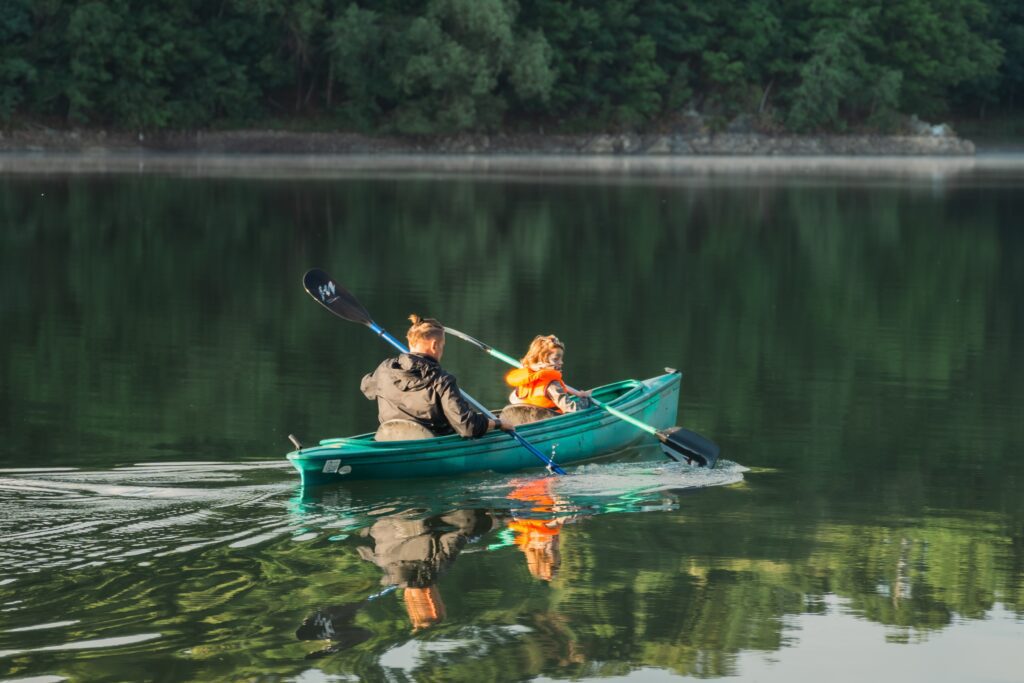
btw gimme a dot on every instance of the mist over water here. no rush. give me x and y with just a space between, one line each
851 337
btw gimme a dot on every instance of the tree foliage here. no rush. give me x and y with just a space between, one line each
423 66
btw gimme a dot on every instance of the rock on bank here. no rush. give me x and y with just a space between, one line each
285 142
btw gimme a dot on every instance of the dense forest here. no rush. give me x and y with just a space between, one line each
427 66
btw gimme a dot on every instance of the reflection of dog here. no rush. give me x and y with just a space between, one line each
334 624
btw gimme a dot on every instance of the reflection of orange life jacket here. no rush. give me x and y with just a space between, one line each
531 531
532 387
424 606
537 538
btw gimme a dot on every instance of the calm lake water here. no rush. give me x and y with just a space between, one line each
852 336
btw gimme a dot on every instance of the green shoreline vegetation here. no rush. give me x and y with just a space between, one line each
446 66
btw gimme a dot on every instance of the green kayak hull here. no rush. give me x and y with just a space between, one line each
567 439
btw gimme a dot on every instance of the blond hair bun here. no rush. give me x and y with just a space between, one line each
424 328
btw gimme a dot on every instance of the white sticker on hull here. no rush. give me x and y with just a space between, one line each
331 466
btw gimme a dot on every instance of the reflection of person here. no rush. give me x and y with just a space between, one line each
538 536
414 388
539 382
414 552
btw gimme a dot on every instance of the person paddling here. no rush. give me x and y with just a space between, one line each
539 382
416 398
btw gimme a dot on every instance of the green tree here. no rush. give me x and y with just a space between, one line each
606 67
1006 28
938 45
355 48
452 60
16 72
869 59
838 83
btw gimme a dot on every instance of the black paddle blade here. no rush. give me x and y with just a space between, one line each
678 443
334 297
326 621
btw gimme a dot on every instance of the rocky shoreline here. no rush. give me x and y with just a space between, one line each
941 142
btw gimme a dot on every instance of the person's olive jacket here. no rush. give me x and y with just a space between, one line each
414 387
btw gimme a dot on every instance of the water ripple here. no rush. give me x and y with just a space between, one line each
74 519
78 519
98 643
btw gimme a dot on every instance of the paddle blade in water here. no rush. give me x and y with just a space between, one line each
334 297
682 443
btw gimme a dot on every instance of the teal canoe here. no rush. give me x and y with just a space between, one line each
569 438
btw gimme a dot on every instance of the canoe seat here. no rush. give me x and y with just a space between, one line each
522 413
402 430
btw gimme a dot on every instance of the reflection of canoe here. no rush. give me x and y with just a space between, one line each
567 438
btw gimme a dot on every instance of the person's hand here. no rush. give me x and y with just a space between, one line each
504 426
585 394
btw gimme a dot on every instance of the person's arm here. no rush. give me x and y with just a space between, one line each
369 386
578 392
460 415
565 401
498 424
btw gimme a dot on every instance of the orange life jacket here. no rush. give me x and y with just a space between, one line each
532 386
